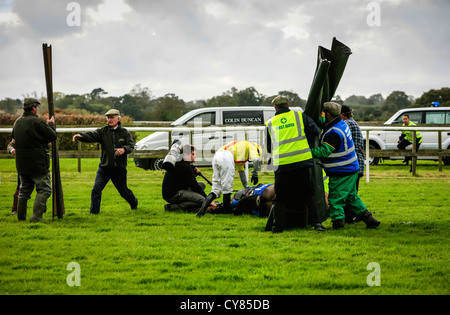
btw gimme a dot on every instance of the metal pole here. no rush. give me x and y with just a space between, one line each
414 151
440 148
79 157
367 156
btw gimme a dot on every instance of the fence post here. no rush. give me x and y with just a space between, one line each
79 157
414 154
440 148
367 156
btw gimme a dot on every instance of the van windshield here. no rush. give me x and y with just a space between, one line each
203 119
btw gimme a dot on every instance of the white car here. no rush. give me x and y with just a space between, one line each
207 142
388 140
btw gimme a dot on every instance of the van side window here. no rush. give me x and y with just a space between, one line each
252 117
435 117
203 119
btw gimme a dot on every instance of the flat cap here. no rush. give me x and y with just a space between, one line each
112 112
30 101
280 100
333 108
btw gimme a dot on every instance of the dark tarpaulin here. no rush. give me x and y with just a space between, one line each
330 68
57 192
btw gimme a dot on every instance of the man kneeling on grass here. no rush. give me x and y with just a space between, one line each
180 187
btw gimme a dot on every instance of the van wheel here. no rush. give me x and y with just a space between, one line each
373 160
156 164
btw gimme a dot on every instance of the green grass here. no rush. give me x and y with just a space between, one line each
150 251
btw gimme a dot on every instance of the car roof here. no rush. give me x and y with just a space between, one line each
409 109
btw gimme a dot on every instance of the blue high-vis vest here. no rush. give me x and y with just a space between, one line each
344 158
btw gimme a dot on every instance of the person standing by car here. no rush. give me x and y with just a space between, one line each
32 136
406 138
116 143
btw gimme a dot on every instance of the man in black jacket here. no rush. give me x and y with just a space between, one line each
180 187
116 143
32 136
294 189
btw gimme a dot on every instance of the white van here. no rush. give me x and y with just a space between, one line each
423 116
207 142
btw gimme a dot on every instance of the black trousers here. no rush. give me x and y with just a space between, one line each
404 143
119 178
294 191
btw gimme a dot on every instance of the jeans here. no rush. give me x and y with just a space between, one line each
119 178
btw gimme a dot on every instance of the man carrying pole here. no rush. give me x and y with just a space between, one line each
32 135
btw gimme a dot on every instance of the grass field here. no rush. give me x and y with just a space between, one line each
150 251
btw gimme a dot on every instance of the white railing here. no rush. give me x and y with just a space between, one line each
260 130
367 129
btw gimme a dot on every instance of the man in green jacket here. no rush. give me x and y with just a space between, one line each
32 136
116 142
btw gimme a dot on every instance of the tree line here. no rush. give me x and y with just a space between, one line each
141 104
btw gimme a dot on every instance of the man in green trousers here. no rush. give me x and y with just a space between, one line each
338 156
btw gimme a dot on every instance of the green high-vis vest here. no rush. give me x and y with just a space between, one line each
289 143
408 134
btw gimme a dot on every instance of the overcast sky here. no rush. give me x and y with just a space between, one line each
198 49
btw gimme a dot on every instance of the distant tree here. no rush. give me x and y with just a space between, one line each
338 99
143 99
376 99
221 101
294 99
397 100
97 93
10 106
167 108
356 100
248 97
128 105
442 96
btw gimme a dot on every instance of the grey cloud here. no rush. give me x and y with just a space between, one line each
201 48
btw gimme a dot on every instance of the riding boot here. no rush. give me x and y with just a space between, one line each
21 209
206 204
16 199
227 203
279 218
269 223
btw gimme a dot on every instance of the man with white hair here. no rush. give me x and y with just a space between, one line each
116 143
